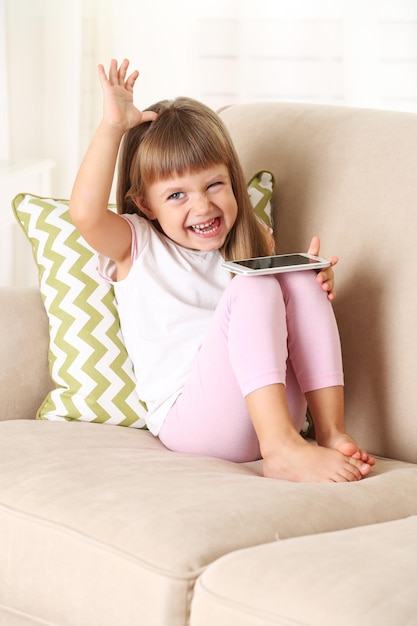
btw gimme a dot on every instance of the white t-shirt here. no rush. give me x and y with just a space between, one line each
165 306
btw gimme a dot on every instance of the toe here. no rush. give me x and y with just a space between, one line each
348 448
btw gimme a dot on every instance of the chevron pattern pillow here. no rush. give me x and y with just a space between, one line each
260 190
88 361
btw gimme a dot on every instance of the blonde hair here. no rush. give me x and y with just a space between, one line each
187 137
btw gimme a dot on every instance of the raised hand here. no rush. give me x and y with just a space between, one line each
119 109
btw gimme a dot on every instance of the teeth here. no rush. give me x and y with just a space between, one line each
198 228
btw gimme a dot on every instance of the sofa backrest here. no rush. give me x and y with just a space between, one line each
24 342
350 176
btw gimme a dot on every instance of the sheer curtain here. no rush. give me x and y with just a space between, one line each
4 105
51 52
354 52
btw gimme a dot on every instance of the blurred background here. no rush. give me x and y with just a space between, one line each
340 52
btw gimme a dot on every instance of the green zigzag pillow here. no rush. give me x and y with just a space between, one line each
260 190
88 361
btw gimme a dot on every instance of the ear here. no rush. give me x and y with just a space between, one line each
143 206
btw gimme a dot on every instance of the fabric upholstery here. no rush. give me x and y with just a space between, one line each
101 525
24 337
364 575
96 523
348 175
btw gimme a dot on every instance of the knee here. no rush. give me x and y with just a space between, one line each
256 286
262 293
303 283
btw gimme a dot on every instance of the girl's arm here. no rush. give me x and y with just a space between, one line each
103 229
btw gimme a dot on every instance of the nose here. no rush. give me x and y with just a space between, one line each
202 205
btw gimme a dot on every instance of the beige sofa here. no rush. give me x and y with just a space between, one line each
101 526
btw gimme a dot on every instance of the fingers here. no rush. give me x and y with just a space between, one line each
121 74
119 108
117 75
315 249
326 280
102 75
326 276
314 246
130 83
328 287
149 116
113 74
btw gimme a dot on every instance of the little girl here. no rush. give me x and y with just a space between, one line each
225 365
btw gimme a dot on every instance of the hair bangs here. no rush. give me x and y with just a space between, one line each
180 142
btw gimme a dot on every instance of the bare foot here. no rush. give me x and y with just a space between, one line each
301 461
349 447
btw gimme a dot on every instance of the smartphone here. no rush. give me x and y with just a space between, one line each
275 264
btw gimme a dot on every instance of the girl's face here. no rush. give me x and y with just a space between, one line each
196 210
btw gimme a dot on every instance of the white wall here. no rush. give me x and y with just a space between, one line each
347 52
4 104
355 52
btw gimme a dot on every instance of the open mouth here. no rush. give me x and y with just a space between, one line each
207 228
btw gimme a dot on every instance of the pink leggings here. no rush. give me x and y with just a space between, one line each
265 330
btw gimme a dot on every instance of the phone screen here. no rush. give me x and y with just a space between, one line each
274 262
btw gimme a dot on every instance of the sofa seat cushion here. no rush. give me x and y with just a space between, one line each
364 575
102 525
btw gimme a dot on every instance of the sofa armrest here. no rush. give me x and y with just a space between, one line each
24 339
